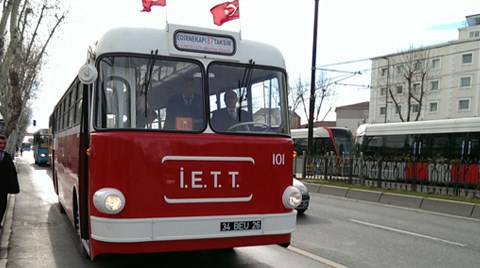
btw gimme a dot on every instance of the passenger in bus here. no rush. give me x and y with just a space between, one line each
185 110
223 119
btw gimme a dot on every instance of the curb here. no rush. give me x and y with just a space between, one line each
6 231
456 208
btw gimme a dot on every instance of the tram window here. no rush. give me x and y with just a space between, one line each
459 145
394 144
422 145
300 145
321 146
324 146
441 145
473 148
373 146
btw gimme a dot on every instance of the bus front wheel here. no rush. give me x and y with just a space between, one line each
81 247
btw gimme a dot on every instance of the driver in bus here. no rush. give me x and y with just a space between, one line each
185 110
223 119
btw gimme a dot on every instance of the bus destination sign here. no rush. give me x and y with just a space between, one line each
199 42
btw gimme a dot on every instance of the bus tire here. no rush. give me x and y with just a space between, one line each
61 208
284 245
81 248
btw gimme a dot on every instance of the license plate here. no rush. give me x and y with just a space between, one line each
240 225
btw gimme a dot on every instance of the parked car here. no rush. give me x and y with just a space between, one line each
305 196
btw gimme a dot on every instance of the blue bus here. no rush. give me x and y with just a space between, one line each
42 140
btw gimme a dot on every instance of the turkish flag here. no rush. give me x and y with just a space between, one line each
147 4
225 12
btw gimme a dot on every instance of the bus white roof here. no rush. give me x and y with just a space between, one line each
146 40
471 124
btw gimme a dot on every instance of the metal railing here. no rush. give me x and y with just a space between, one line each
433 176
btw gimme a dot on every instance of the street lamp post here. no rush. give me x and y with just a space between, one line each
387 90
312 81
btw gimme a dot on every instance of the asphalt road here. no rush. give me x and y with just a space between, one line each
43 237
335 231
368 234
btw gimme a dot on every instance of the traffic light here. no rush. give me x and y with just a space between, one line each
34 123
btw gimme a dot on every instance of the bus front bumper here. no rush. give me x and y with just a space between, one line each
188 228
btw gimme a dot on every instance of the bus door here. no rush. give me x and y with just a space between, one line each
83 100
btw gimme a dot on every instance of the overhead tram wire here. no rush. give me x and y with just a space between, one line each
353 85
342 63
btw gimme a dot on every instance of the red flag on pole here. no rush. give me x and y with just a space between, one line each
225 12
147 4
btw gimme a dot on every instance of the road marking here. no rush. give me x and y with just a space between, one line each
315 257
408 233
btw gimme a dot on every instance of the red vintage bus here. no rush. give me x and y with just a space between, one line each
137 171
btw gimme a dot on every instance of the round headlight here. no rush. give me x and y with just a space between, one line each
109 200
291 197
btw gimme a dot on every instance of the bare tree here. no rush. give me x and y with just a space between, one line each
411 69
26 28
300 93
297 95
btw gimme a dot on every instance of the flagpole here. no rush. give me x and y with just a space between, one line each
312 81
166 19
240 28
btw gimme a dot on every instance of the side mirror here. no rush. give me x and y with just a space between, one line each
87 73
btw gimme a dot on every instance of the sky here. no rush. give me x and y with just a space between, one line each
348 31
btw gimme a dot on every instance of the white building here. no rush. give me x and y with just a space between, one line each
451 82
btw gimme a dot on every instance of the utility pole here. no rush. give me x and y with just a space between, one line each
312 81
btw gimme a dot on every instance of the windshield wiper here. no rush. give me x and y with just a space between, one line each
247 75
148 77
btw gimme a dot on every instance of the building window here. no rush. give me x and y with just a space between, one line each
433 107
383 91
399 69
463 105
467 58
436 64
416 87
434 85
465 81
417 66
414 108
474 34
382 110
399 89
384 72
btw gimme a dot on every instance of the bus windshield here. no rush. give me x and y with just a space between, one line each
343 140
169 94
255 96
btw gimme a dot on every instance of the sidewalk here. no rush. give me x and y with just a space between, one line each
457 208
6 231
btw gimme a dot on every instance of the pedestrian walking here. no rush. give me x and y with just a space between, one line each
8 177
